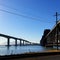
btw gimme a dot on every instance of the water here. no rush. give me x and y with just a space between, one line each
4 50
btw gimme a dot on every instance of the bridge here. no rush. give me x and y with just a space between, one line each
52 38
22 41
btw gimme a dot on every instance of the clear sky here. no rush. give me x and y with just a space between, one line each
26 27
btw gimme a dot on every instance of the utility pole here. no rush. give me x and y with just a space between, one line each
57 28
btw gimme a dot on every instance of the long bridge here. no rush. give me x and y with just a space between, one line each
22 41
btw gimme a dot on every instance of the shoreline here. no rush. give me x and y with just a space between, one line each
34 54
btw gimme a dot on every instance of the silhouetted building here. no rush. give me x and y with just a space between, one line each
43 40
50 37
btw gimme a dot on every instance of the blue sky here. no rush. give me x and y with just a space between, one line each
27 28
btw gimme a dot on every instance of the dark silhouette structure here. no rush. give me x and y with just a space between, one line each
43 41
51 37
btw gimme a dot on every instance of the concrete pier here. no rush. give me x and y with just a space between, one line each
15 42
23 42
20 43
8 41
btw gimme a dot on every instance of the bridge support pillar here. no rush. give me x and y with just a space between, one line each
20 42
15 42
23 42
30 43
8 42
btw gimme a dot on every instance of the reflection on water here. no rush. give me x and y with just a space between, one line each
4 50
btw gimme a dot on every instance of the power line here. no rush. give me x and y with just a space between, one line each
9 7
16 10
20 14
33 18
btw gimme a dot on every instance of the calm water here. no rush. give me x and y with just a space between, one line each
4 50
